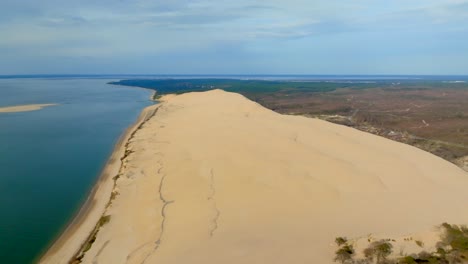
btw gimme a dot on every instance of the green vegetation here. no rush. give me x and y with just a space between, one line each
341 241
155 96
452 248
240 86
178 86
455 236
345 252
89 244
91 239
104 220
378 250
419 243
422 257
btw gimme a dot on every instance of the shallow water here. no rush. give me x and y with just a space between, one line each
50 159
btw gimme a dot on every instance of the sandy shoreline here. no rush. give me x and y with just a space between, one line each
215 178
24 108
77 232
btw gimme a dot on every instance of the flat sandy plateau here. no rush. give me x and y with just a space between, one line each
215 178
23 108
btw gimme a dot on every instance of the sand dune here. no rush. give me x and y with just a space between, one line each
216 178
23 108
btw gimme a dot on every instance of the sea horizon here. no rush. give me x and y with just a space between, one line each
436 77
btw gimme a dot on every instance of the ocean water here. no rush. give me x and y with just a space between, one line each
50 159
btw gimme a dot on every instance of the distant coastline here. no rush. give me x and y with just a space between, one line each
319 77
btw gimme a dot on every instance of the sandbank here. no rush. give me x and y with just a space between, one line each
23 108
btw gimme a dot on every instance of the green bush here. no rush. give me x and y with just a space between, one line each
344 254
380 250
341 241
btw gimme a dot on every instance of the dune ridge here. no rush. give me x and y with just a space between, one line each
215 178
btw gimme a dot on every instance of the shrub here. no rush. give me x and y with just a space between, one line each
344 254
104 220
341 241
455 236
380 250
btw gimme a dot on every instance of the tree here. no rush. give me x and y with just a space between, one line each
380 250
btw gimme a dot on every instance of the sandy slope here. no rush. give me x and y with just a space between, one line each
23 108
216 178
79 230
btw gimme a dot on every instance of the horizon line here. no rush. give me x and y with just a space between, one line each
215 74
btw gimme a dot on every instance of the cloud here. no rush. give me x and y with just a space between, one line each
296 29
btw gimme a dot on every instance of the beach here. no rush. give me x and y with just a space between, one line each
213 177
83 225
24 108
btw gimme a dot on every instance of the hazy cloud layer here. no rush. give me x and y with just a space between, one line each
179 36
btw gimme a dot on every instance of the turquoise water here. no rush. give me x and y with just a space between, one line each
50 159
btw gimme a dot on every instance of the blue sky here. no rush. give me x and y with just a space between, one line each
234 37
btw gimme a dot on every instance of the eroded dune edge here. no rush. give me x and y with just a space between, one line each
215 178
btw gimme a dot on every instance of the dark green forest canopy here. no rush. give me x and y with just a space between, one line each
177 86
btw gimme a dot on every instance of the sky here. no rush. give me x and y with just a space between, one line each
234 37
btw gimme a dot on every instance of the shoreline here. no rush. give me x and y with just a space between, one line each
97 200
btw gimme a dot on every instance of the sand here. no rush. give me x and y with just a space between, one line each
78 231
215 178
23 108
